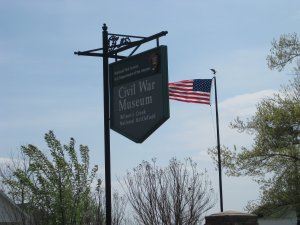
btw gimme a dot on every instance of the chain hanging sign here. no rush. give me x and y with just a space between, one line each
139 101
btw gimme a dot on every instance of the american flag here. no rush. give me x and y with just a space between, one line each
192 91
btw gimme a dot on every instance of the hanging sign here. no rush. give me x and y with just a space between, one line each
139 100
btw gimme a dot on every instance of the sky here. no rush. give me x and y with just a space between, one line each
44 86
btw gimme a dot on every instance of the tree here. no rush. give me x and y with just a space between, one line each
285 51
177 194
119 216
57 188
274 159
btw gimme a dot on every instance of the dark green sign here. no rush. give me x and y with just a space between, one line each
139 101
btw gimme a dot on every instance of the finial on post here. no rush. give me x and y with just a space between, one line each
104 27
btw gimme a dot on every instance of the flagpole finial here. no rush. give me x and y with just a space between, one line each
214 71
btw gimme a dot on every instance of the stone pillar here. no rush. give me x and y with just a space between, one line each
231 218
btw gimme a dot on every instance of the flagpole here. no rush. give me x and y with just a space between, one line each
218 142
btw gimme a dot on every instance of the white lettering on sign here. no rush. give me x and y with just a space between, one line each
141 87
127 91
146 86
124 104
145 118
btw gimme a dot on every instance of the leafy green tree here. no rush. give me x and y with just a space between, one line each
56 188
274 158
285 51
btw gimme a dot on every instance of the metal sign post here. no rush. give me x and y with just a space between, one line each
113 44
106 126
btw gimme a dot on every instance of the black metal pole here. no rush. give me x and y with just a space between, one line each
106 124
106 54
218 146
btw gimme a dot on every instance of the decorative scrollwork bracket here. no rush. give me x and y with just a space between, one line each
116 42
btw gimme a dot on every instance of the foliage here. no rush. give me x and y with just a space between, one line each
55 189
285 51
177 194
274 159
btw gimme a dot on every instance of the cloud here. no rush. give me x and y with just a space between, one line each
4 160
202 156
244 105
197 125
10 163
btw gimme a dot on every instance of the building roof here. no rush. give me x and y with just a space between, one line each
9 211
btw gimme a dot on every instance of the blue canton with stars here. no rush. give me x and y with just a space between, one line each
203 85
